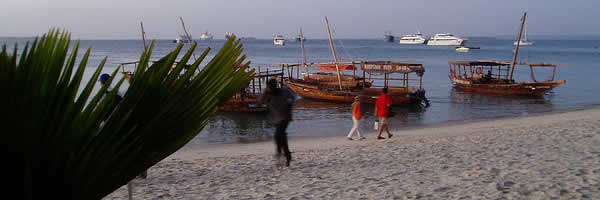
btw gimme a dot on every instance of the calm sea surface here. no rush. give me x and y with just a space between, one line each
580 59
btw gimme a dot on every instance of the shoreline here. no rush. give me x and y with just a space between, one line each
307 142
396 129
549 155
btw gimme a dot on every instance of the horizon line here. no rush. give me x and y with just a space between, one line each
544 36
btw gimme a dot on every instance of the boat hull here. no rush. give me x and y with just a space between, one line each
462 50
388 38
367 95
522 89
457 42
523 43
279 42
410 41
247 104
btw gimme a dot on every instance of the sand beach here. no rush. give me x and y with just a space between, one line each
550 156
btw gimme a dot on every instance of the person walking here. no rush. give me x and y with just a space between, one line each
356 116
382 108
103 78
279 105
117 99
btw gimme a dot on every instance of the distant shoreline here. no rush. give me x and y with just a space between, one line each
475 37
15 38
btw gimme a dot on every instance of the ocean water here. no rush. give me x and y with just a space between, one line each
579 65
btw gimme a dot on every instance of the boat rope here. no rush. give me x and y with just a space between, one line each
344 48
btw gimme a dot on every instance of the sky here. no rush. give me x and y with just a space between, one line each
120 19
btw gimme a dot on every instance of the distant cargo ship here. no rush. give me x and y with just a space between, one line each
388 37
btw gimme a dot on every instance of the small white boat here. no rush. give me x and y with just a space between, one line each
182 39
228 35
388 37
278 40
446 39
206 36
524 41
462 49
413 39
300 38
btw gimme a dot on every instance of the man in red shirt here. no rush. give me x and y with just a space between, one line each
382 107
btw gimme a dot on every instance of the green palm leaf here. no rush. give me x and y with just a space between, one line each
57 138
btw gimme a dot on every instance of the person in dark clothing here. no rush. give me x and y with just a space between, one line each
117 99
488 77
279 105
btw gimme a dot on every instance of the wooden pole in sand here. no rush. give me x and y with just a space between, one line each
512 65
337 67
130 190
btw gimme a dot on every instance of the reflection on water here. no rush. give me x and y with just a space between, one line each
473 106
311 118
321 118
314 118
235 128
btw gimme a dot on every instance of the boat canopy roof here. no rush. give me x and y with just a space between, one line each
369 66
391 67
332 67
498 63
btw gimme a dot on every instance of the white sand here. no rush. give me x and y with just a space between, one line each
554 156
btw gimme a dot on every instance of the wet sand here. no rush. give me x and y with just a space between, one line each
552 156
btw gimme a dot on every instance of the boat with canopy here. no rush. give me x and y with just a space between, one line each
499 75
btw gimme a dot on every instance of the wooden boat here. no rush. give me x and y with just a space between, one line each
324 78
246 100
468 76
400 94
338 87
243 102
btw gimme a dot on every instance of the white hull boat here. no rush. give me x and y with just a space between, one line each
524 41
413 39
445 39
278 40
206 36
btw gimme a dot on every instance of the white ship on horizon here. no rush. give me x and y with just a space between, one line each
206 36
524 41
228 35
413 39
446 39
278 40
182 39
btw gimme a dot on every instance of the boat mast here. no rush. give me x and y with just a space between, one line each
185 30
189 37
337 68
303 50
514 61
525 30
143 34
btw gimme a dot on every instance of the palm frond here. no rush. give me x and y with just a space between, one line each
59 141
